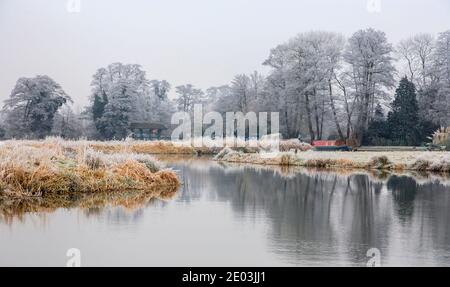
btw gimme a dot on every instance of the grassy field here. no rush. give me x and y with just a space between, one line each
54 167
397 160
165 147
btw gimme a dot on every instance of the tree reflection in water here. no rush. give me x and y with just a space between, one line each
308 217
343 213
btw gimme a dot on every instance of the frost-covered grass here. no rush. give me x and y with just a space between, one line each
54 167
398 160
193 146
209 146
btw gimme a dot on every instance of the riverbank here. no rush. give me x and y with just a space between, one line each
165 147
410 160
54 167
291 171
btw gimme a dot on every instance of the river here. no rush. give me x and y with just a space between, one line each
242 215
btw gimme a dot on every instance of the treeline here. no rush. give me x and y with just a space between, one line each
121 94
323 85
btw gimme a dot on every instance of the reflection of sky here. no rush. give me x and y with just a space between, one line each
234 215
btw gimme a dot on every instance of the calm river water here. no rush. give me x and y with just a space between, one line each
246 215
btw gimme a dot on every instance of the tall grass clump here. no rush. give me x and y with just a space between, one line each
223 153
380 162
421 164
55 167
441 136
440 164
287 159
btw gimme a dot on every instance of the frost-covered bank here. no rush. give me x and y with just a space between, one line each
410 160
187 147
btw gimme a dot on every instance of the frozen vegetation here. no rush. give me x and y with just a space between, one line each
322 84
54 167
395 160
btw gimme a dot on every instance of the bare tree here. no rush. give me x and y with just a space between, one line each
370 61
416 51
188 95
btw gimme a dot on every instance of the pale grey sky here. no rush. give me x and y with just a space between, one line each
203 42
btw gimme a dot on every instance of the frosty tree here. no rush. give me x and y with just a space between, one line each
370 61
122 94
187 97
32 105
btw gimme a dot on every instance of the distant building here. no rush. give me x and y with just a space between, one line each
147 131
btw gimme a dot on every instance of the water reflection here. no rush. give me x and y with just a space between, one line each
92 204
253 215
323 218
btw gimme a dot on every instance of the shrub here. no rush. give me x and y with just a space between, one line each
421 164
380 162
286 159
223 153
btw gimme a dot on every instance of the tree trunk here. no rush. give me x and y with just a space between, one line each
288 130
333 109
308 114
316 114
363 115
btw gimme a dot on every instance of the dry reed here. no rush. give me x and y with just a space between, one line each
55 167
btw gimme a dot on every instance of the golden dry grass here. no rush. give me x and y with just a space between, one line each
54 167
125 146
166 147
207 146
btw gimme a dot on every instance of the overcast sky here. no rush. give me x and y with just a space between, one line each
203 42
